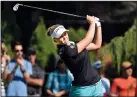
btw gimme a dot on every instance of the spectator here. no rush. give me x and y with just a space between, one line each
105 81
19 71
59 81
126 84
38 74
4 66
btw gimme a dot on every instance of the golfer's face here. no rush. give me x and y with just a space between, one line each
64 38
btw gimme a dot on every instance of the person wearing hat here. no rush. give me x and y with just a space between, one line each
75 55
37 77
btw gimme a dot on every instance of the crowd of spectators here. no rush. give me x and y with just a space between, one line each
24 77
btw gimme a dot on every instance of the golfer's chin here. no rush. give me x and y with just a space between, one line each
65 43
62 43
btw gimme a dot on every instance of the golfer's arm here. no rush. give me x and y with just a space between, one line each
98 40
88 38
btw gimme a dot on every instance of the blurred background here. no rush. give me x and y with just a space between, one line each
30 25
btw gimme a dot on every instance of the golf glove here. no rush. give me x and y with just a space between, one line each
97 23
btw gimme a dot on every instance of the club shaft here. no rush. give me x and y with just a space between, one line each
57 12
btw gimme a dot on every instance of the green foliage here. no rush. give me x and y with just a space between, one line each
73 35
130 42
9 32
77 35
117 46
106 50
122 48
42 43
81 32
9 29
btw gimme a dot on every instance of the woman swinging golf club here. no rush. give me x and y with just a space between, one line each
75 55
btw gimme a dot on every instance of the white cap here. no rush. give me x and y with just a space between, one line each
58 31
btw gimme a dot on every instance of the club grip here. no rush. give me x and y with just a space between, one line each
99 20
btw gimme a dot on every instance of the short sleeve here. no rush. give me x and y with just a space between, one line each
49 81
70 79
71 50
10 67
28 67
41 74
114 87
71 75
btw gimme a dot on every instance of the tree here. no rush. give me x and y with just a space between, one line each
42 43
122 48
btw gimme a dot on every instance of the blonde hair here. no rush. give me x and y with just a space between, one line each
3 47
51 29
126 63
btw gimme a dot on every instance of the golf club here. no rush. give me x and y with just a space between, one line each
16 7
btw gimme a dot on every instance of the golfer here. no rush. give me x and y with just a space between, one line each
75 55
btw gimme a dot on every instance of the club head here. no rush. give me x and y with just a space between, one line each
15 8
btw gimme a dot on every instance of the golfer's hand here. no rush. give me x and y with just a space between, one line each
97 23
90 19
